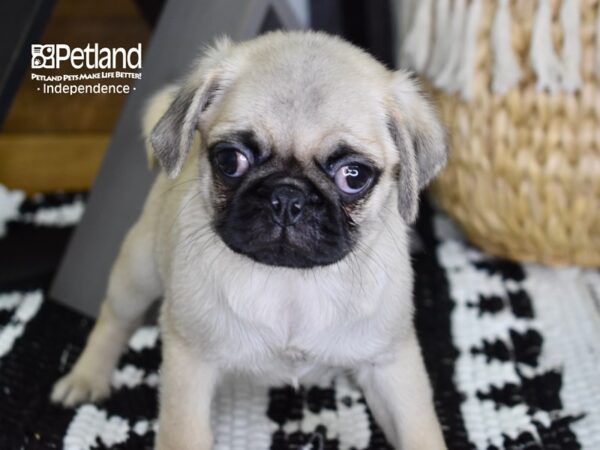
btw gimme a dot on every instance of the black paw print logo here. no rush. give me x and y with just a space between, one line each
38 62
42 56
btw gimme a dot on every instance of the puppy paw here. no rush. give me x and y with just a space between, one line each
76 388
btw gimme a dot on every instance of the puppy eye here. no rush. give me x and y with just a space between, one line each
232 162
353 178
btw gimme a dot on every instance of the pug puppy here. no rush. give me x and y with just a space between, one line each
277 233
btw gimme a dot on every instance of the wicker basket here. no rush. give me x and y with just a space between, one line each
523 112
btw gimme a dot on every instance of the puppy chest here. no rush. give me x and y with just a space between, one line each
295 355
297 338
272 323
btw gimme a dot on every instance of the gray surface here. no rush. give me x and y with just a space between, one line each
123 182
21 24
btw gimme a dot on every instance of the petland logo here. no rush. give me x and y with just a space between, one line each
51 56
114 67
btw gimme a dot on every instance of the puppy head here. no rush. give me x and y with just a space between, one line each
305 143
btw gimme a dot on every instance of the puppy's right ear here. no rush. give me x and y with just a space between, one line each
420 139
181 110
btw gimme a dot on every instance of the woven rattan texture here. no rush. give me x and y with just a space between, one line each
524 174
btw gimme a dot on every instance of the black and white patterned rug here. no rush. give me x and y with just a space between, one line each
513 352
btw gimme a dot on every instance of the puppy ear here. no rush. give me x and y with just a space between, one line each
182 109
420 139
156 107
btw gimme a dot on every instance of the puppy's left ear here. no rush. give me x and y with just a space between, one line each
183 107
420 139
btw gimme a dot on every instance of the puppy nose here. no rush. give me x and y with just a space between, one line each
287 203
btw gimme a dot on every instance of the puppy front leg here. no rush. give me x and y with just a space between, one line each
132 287
400 397
187 384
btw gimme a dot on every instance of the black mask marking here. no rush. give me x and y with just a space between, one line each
279 216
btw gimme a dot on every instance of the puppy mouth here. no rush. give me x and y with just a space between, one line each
282 257
278 251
